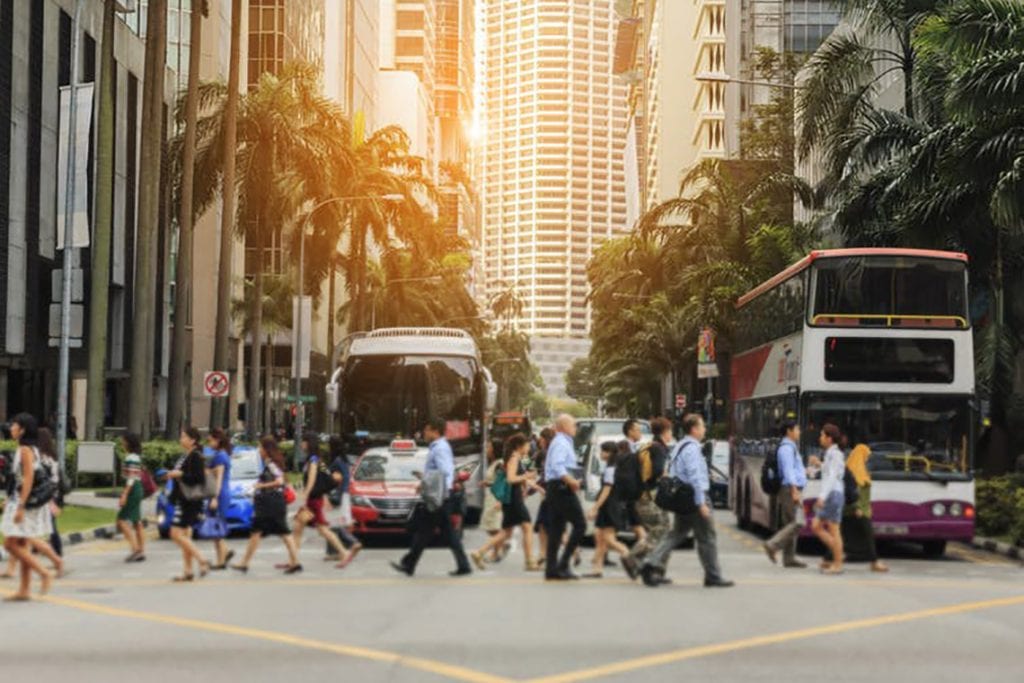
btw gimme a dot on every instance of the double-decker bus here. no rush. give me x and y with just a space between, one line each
877 341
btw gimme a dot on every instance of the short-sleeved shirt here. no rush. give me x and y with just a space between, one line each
222 458
608 477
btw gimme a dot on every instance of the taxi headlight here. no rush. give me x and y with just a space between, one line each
938 509
361 501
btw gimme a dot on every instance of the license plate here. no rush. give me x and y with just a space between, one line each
893 529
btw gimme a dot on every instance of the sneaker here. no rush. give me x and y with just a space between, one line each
770 552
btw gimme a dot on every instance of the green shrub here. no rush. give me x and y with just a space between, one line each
155 455
1017 527
994 501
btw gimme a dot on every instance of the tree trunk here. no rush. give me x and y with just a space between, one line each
177 381
151 146
221 346
268 384
99 277
908 76
331 304
255 340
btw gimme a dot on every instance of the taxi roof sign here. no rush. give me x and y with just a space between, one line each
403 445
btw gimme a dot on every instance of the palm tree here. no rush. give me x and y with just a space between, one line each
275 307
179 380
290 148
150 163
99 286
227 150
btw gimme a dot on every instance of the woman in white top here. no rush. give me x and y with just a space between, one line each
20 523
830 501
607 512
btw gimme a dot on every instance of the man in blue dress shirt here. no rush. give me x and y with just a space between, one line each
562 502
439 459
688 465
793 479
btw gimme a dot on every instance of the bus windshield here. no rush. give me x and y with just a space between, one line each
389 396
874 289
910 437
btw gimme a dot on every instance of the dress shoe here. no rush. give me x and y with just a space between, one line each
652 576
794 564
399 567
718 583
465 571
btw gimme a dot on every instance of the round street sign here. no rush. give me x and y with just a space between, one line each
216 384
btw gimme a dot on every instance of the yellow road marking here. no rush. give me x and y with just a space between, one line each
631 665
421 664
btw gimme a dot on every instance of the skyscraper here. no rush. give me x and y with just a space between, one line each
552 179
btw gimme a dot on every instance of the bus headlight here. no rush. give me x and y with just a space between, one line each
938 509
956 509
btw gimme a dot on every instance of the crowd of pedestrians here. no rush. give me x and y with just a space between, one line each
658 490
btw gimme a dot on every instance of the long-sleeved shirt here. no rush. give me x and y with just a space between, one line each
441 458
791 465
832 470
561 456
688 465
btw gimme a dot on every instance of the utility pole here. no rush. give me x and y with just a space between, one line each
64 362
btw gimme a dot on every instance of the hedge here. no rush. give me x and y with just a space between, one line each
155 454
1000 505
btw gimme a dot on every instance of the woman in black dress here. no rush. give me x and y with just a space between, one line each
270 511
608 511
513 508
189 474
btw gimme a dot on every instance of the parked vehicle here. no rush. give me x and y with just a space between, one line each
246 466
717 454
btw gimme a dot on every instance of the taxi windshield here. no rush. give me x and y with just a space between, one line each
385 469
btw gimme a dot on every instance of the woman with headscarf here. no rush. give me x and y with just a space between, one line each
856 525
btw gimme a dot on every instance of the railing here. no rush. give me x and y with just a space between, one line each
889 320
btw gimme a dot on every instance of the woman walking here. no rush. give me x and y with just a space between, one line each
318 483
189 477
270 511
858 532
608 511
540 527
513 511
219 467
129 516
491 519
829 506
25 518
51 548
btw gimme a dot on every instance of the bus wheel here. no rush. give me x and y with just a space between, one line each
934 548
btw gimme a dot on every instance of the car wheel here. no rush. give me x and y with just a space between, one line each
934 548
164 533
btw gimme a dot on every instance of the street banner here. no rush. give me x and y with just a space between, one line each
707 361
301 350
80 209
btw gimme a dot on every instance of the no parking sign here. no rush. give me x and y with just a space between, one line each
216 384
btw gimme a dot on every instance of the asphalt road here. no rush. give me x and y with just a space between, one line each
960 618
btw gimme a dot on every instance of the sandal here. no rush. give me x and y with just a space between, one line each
184 578
204 569
293 569
879 568
346 562
240 568
17 598
593 575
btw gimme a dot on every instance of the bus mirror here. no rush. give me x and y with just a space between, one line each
331 397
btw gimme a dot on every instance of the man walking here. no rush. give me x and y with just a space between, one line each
653 518
563 505
792 479
439 459
688 466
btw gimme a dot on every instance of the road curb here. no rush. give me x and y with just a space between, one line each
100 533
998 547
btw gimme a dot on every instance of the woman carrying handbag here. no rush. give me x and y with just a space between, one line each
270 509
189 477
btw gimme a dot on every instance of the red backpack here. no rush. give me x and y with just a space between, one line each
148 483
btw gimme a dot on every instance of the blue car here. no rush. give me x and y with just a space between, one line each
246 467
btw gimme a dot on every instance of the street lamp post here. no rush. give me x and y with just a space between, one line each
300 407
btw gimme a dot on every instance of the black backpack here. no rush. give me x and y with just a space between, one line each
324 482
851 492
628 486
771 478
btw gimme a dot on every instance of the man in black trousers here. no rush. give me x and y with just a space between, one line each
563 503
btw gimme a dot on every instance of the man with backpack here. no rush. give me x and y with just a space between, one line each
785 479
689 467
435 511
650 467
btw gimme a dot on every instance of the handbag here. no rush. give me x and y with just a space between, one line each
675 495
289 495
213 526
44 488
